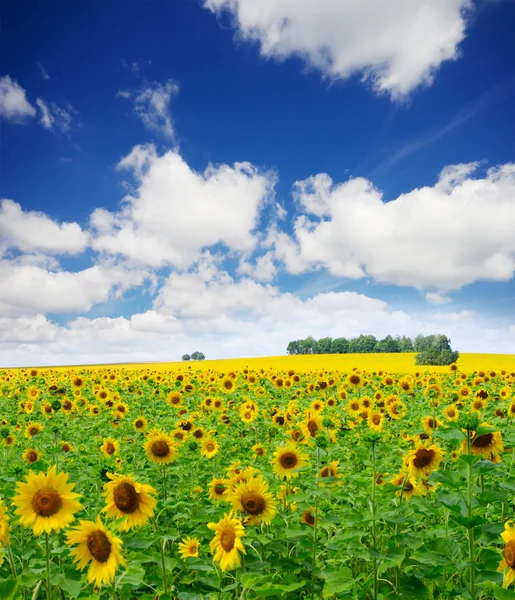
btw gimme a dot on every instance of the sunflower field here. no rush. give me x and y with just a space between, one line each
187 482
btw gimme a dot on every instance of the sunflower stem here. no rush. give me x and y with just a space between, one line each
472 576
315 529
47 552
373 511
162 544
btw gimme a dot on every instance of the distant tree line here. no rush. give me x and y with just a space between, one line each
194 356
431 349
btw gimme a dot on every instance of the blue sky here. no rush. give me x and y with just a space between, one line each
194 175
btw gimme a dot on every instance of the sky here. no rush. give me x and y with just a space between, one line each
226 176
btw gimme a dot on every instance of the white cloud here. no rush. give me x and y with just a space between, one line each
396 44
437 298
152 105
31 231
14 106
32 289
176 212
225 318
446 236
55 117
264 268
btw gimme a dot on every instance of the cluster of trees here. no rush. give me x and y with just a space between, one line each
431 349
194 356
360 345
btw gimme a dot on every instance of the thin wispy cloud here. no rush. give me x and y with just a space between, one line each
493 96
43 72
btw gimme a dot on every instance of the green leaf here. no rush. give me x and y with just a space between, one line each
8 588
278 589
450 478
449 434
337 582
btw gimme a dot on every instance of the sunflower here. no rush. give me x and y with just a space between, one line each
354 379
227 544
410 486
209 448
247 415
375 420
477 405
287 461
4 525
396 410
489 445
174 399
424 459
33 429
125 497
311 425
354 406
331 470
46 502
228 385
451 412
259 450
254 500
179 435
198 433
31 455
99 547
308 517
429 423
109 447
218 489
140 424
78 382
188 547
66 447
160 449
507 564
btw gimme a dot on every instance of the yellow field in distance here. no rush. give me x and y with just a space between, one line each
394 363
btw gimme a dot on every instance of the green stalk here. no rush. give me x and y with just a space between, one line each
472 576
162 544
47 552
373 510
315 529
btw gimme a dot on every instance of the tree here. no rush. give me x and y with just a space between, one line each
388 344
293 347
197 356
308 346
324 345
340 346
186 357
434 357
405 344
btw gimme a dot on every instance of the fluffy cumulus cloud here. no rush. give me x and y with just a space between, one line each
152 104
32 289
31 231
397 45
14 106
444 237
174 212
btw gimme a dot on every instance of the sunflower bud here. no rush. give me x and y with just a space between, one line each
327 422
468 422
322 441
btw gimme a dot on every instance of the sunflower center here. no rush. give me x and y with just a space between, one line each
288 460
423 458
376 419
220 489
110 448
312 428
210 446
310 518
354 379
408 486
126 498
99 546
227 539
483 441
160 448
46 502
32 456
253 503
509 554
